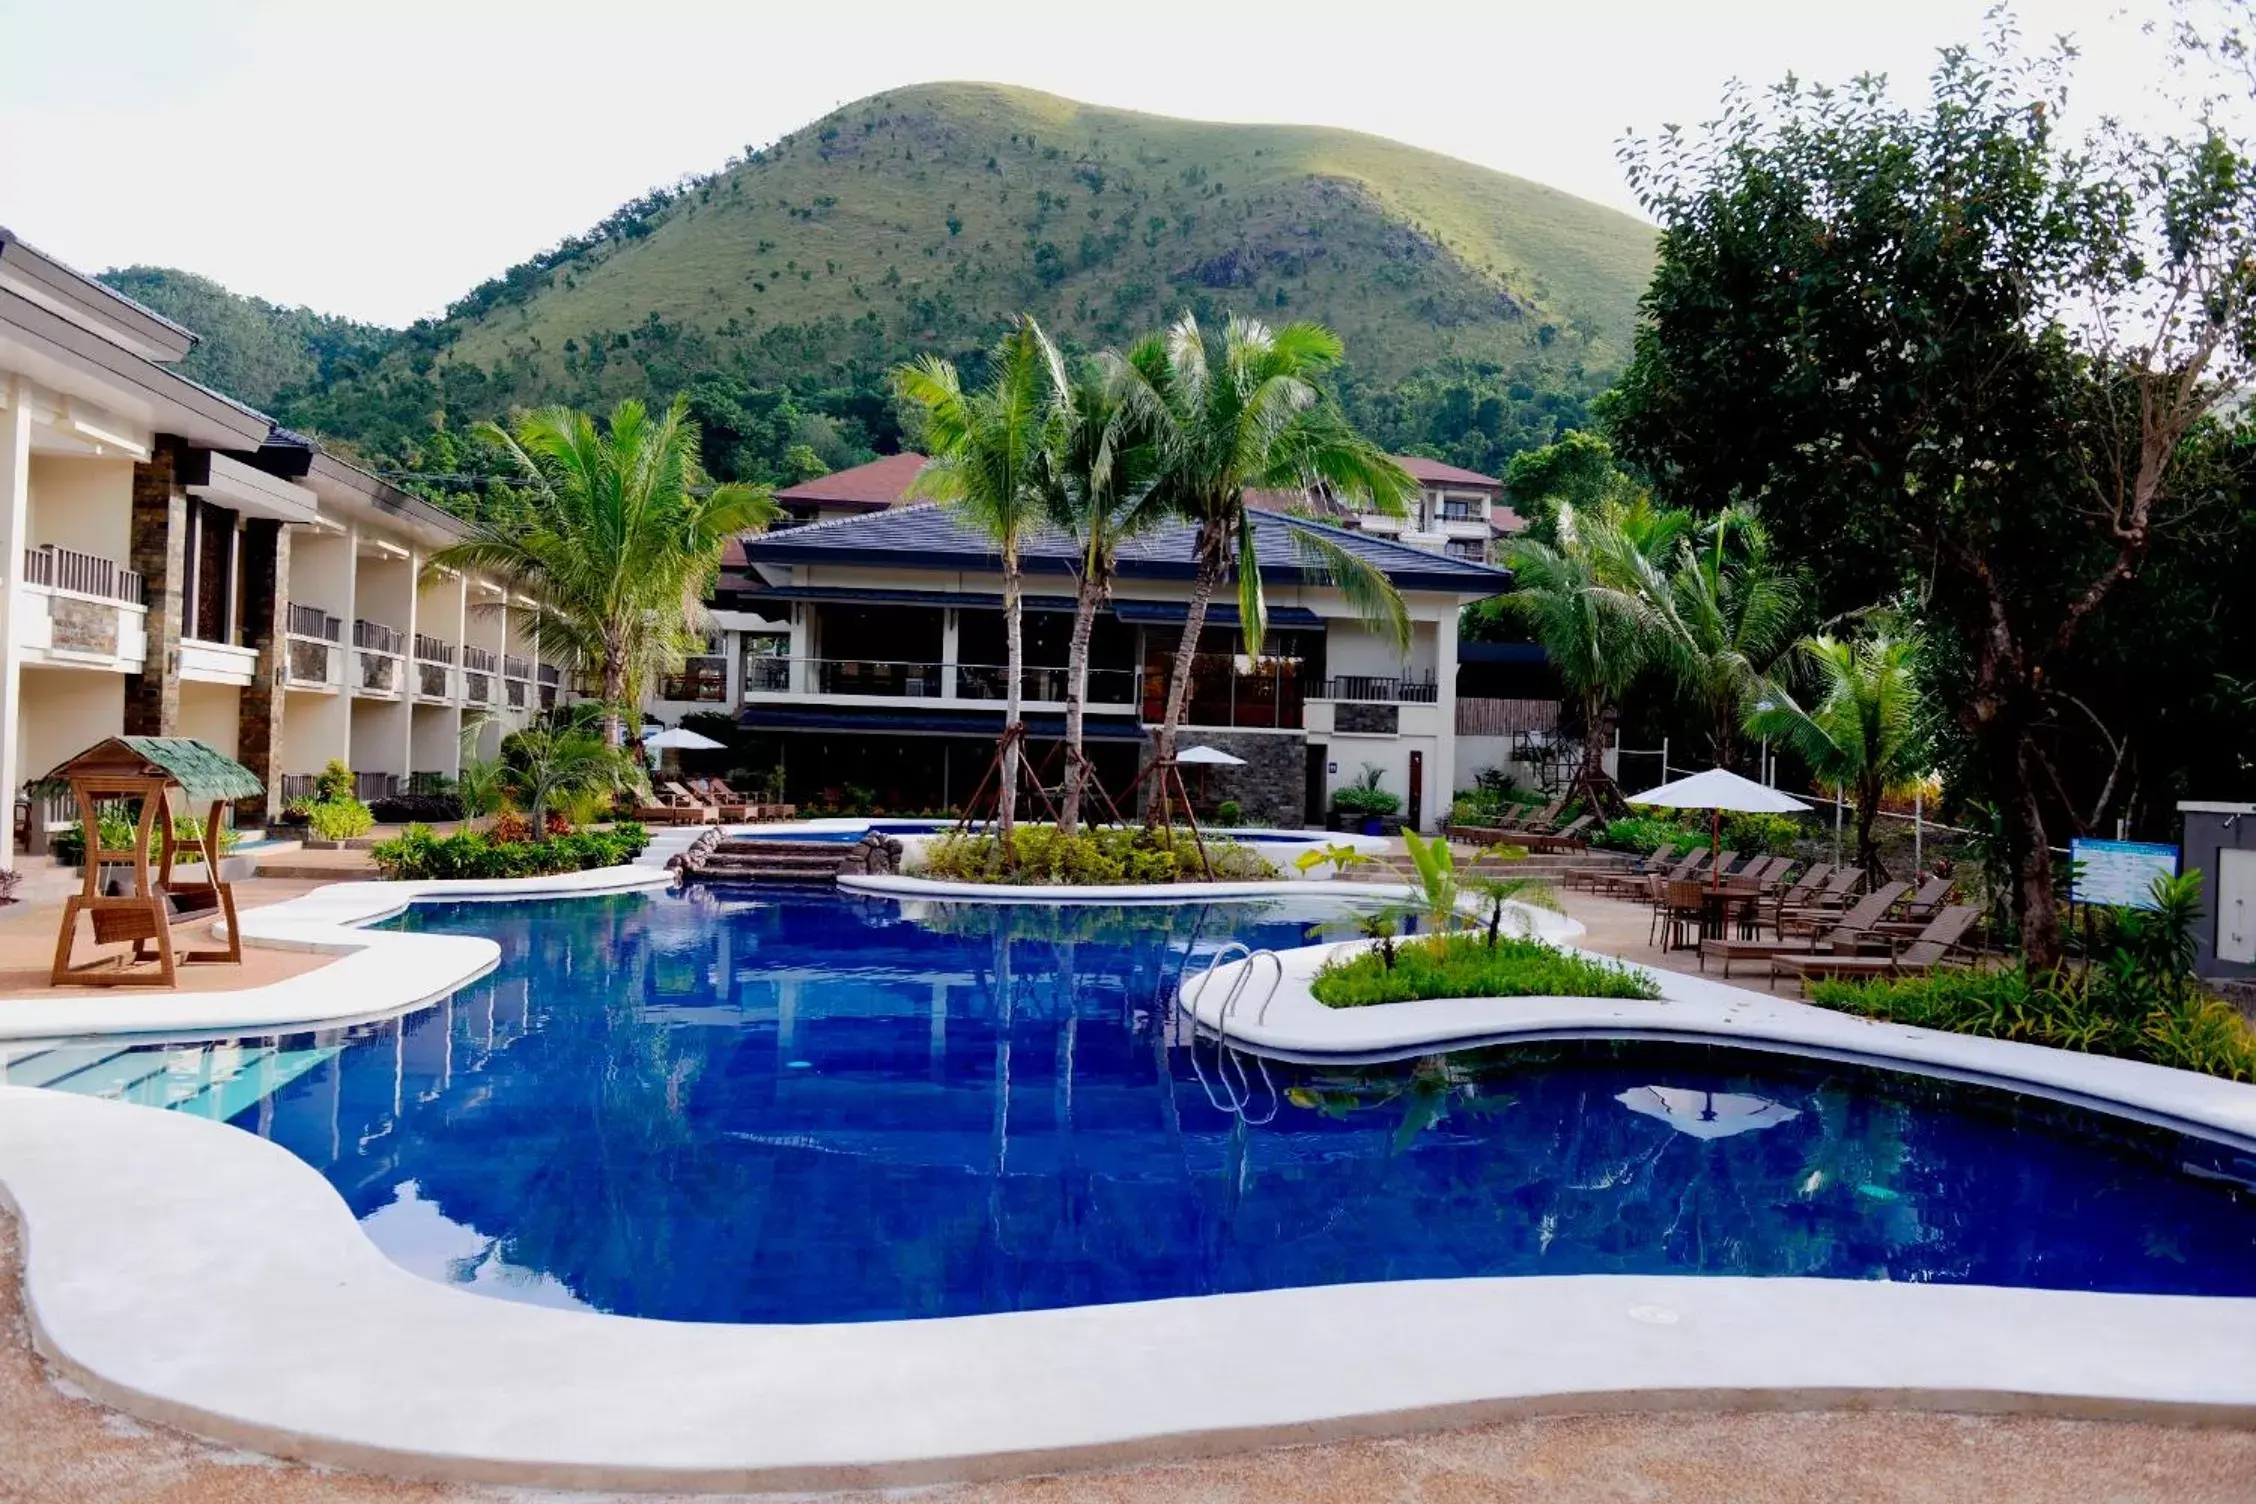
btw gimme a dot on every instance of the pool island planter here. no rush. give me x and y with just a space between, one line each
1291 1024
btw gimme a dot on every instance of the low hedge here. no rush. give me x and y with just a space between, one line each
1092 858
407 809
1407 971
417 853
2109 1010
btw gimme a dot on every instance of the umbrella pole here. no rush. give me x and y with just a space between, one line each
1715 849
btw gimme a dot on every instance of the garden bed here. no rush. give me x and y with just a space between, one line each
1468 965
1105 856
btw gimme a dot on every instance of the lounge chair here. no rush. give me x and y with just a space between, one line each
1635 877
1567 838
1543 819
725 802
1819 909
1931 899
674 805
1849 930
1933 945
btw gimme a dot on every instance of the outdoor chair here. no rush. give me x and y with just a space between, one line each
1682 903
1542 819
1850 930
1931 899
1928 950
717 794
1819 909
1567 838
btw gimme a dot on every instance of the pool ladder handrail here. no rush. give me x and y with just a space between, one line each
1237 1097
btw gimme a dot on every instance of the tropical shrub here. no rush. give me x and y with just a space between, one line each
334 782
1365 796
1090 857
68 846
510 828
1645 834
1763 835
1469 965
339 819
2136 998
417 853
1229 813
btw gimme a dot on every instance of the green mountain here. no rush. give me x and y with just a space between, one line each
920 219
248 347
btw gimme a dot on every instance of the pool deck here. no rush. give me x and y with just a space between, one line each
176 1268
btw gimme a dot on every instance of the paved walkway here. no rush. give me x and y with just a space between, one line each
27 947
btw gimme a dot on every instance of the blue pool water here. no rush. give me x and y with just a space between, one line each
805 1107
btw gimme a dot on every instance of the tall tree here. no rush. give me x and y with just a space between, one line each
1867 730
1947 352
1096 489
1241 413
1732 609
617 537
1588 598
988 449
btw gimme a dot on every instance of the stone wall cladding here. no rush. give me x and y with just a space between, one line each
1272 786
309 661
1370 720
83 626
265 584
160 541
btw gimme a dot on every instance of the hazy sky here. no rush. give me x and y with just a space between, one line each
378 159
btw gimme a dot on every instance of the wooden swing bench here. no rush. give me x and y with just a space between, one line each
148 768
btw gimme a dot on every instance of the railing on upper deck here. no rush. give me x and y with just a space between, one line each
60 568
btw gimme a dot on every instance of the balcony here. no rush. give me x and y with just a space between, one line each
381 651
478 659
68 570
313 623
550 675
1382 689
477 688
514 667
433 650
905 679
702 681
513 693
312 653
82 611
1461 511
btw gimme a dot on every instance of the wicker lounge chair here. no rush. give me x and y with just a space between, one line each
1567 838
1849 930
717 794
1934 944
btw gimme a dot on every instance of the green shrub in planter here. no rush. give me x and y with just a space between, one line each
1229 812
416 853
339 819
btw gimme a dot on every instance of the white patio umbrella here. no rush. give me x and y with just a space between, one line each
1706 1114
677 739
1203 758
1717 790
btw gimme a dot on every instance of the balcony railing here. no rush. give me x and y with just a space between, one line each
82 574
1383 688
1460 511
296 786
433 649
702 681
514 667
312 621
478 658
1270 694
1471 553
368 786
906 679
378 638
550 675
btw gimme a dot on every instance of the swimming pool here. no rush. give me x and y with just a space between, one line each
804 1107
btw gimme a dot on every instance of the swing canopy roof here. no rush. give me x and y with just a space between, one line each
203 772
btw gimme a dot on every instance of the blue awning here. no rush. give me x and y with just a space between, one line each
984 724
1220 614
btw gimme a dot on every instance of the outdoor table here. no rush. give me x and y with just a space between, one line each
1721 904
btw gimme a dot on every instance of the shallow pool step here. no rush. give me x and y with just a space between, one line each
215 1080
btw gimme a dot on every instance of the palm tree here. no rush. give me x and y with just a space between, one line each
1096 489
542 763
1589 599
1732 614
619 538
1245 412
987 448
1869 730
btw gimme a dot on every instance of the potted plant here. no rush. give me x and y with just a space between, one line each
1365 805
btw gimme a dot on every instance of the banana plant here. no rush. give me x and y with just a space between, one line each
1341 855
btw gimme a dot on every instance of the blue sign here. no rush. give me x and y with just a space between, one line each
2120 874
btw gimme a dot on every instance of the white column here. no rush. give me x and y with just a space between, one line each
15 535
802 646
1445 701
411 680
948 653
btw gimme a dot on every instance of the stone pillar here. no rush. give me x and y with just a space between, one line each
15 536
160 542
264 573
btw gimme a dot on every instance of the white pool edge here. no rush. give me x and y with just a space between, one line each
198 1276
377 973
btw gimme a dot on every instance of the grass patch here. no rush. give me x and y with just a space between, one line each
1468 966
2109 1010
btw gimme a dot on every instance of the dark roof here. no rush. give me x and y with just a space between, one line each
96 297
880 483
1434 472
930 536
